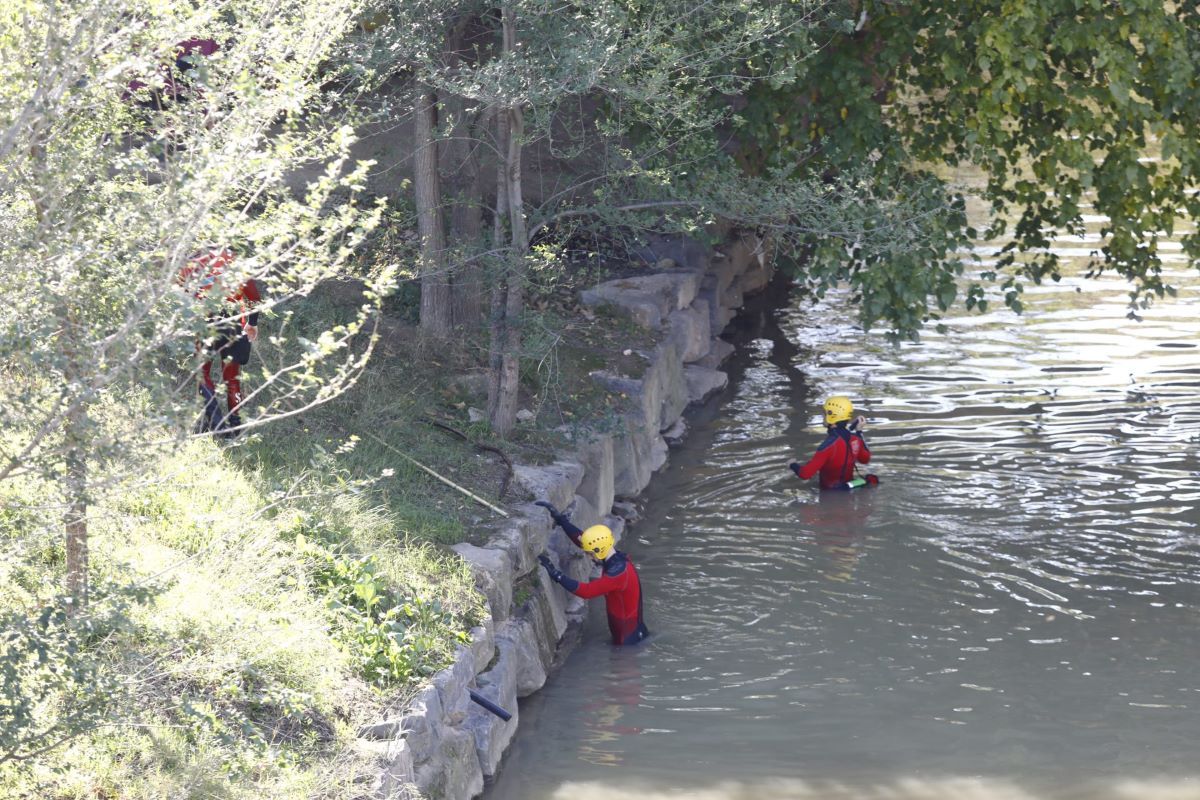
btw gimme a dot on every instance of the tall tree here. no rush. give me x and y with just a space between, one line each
403 55
134 138
509 290
627 102
637 93
436 308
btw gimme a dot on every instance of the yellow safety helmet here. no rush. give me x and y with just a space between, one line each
838 409
597 541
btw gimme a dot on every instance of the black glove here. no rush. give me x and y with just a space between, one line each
555 514
795 467
554 572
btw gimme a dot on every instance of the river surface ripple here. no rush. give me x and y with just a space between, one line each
1014 612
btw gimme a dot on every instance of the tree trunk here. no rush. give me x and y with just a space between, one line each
504 410
436 309
496 327
75 524
464 190
463 183
75 518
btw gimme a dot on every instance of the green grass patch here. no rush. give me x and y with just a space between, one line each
278 616
256 603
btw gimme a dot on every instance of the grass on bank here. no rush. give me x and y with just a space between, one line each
292 586
411 384
277 622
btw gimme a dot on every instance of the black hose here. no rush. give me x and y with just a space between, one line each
489 705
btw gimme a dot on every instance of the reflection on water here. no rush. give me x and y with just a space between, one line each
1014 612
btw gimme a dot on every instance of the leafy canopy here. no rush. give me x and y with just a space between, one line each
1063 103
121 159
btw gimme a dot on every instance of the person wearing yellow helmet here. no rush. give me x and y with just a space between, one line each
843 448
618 582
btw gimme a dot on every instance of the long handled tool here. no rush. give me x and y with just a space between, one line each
441 478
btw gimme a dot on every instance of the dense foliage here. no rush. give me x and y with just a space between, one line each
1071 107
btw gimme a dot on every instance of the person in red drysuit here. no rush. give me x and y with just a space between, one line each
234 330
177 79
618 582
842 449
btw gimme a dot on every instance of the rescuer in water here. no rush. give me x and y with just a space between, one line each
618 582
843 448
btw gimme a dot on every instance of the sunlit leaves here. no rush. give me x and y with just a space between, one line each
1063 106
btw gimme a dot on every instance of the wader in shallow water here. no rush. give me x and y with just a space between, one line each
842 449
618 583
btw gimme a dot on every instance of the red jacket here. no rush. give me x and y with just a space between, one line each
203 272
622 593
618 584
836 457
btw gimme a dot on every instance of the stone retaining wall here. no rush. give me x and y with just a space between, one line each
444 745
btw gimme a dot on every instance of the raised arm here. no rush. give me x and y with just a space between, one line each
856 429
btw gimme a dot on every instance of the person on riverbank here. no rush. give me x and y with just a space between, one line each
618 583
228 347
843 448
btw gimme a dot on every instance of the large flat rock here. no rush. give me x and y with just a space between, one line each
667 370
719 351
555 482
519 634
452 772
636 455
702 383
451 684
686 251
597 484
691 328
493 573
644 394
397 778
713 292
483 644
646 299
492 734
522 537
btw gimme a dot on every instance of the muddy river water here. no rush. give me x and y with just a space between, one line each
1013 613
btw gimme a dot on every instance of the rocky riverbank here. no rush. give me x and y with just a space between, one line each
441 743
